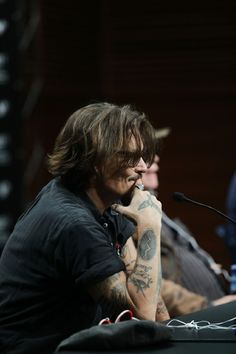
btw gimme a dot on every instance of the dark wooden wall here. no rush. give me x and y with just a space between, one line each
174 60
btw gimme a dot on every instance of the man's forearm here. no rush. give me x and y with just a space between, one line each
144 281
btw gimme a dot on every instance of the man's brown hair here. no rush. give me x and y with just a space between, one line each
96 134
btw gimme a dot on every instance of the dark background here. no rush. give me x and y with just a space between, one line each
174 60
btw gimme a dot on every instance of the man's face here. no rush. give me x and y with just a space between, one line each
121 182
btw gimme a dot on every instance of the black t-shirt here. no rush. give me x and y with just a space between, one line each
59 247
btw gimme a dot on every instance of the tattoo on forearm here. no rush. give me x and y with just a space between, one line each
118 297
127 258
161 308
147 245
148 203
113 296
129 266
141 278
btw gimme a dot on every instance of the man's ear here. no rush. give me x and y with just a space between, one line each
99 170
94 177
97 173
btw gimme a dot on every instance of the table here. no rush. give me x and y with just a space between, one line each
212 314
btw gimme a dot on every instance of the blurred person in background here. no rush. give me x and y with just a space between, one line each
192 279
228 231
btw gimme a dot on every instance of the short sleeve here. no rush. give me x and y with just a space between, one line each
87 255
124 227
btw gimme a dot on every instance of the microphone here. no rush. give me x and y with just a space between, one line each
180 197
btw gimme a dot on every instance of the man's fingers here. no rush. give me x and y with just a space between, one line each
125 210
118 207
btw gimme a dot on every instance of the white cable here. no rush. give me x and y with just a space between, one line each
202 324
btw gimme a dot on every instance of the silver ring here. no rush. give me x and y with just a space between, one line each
140 186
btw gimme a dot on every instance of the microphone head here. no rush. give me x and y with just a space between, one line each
179 197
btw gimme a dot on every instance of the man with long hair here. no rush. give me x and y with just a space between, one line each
65 266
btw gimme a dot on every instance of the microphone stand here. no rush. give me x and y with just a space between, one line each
180 197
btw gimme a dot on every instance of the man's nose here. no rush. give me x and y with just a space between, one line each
141 166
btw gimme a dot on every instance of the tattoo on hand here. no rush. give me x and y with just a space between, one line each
147 245
149 203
